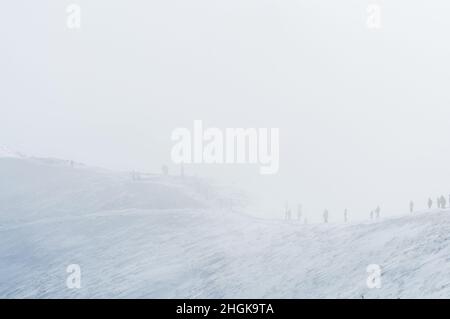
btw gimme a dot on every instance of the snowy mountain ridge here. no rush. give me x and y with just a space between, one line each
169 238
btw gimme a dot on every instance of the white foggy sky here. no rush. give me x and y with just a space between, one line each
363 114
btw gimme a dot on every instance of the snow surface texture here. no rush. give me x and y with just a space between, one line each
168 237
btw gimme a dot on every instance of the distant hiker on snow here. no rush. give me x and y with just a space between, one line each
287 212
135 176
443 202
325 216
411 206
430 203
165 170
345 215
299 211
377 211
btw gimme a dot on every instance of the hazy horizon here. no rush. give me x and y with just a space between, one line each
363 114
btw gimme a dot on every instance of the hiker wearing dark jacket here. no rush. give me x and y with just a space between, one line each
325 216
443 202
377 211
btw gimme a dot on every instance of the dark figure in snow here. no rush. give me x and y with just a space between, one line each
299 211
411 206
377 211
325 216
345 215
430 203
371 214
443 202
287 212
135 175
165 170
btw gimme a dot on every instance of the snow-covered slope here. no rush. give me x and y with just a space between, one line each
36 188
130 242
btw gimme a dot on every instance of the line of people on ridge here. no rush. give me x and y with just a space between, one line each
441 203
288 214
